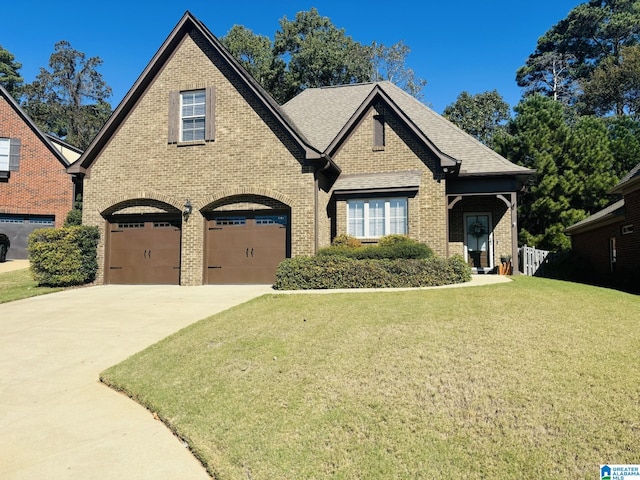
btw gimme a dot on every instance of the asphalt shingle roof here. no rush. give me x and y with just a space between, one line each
321 113
614 210
364 181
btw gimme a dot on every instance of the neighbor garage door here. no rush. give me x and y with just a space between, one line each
144 252
245 248
19 227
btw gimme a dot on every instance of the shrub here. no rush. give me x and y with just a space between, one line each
344 240
389 247
335 271
74 217
64 256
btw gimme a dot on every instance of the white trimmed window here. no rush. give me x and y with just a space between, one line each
192 115
5 147
376 217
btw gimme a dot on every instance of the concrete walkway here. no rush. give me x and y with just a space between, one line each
11 265
56 420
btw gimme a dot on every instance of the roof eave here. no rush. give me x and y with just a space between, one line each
445 160
626 187
166 50
41 135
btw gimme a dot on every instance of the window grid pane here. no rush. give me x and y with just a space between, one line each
398 216
193 115
4 154
355 225
376 218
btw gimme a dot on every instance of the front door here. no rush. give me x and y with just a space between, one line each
478 238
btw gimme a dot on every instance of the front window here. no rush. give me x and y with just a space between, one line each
4 154
192 118
373 218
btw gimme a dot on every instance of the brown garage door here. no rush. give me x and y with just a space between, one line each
144 252
245 248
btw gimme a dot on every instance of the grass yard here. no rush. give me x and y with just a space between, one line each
531 379
20 284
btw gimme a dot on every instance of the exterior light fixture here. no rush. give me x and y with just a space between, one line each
188 208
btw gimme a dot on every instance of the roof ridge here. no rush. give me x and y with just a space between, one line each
39 133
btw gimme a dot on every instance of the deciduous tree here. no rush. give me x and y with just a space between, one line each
319 54
255 53
481 115
390 63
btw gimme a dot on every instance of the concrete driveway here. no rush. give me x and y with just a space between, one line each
56 420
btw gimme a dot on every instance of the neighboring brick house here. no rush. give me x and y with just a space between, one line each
609 240
199 176
35 189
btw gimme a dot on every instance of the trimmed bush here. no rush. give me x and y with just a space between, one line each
389 247
65 256
344 240
335 271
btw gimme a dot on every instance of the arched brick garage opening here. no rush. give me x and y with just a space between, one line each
246 237
143 240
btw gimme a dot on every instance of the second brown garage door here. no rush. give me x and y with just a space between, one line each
144 252
245 248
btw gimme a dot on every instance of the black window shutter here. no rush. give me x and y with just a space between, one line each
14 154
210 119
378 131
174 116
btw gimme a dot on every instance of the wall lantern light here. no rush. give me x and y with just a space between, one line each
188 208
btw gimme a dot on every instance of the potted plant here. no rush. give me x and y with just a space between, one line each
505 267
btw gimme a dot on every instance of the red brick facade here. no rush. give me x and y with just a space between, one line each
41 186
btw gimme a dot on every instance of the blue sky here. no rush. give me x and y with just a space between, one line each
456 46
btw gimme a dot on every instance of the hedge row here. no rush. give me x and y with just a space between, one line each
64 256
389 247
333 271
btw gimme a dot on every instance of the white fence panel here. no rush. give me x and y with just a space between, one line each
533 261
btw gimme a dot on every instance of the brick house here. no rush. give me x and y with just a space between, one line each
35 189
609 240
199 176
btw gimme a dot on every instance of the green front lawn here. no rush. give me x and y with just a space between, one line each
530 379
20 284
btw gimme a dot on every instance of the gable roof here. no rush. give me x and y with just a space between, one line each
38 133
607 215
630 182
323 115
185 26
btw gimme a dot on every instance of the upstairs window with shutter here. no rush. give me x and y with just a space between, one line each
9 154
192 116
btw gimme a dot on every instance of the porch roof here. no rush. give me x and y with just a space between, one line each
378 182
